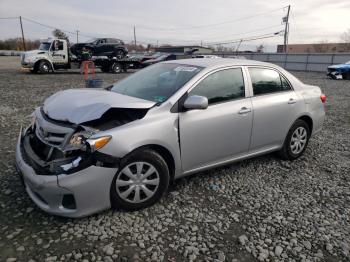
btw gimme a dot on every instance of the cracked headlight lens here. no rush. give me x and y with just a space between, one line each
78 140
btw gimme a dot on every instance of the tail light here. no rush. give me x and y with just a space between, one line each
323 98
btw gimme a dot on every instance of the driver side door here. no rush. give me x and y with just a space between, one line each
59 52
222 131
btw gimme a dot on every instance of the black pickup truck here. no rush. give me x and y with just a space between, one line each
110 47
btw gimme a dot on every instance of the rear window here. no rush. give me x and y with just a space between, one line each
266 81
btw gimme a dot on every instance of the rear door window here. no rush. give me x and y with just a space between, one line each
266 81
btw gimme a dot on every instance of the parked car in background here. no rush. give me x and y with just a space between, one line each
237 57
205 56
157 59
341 71
88 149
111 47
54 54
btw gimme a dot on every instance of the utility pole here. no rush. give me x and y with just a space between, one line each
77 36
23 41
135 37
286 30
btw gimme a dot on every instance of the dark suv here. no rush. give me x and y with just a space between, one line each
110 47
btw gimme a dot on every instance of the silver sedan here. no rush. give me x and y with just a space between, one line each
87 149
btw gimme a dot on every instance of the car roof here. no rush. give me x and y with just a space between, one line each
211 62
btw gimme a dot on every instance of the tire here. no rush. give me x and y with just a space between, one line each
346 76
44 67
116 68
124 187
119 54
296 141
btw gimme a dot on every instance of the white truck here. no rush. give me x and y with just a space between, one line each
54 54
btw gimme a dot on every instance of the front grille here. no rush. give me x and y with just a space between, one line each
22 58
52 138
51 132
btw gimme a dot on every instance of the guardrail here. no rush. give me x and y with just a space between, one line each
298 62
10 53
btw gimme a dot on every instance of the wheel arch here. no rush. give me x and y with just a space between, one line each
165 153
37 63
308 120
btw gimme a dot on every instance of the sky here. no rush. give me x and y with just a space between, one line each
180 22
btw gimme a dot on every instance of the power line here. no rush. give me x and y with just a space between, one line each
245 33
48 26
13 17
214 24
247 39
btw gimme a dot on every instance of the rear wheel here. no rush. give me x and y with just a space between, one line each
116 68
346 76
296 141
44 67
119 54
142 179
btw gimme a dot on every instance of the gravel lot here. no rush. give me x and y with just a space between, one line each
261 209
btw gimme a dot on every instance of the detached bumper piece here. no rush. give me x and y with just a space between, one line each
335 75
71 186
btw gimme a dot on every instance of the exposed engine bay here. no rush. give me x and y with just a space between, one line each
61 147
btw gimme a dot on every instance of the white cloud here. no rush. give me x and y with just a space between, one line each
311 20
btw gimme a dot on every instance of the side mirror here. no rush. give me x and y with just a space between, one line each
196 102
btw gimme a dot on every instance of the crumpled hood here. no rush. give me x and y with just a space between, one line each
81 105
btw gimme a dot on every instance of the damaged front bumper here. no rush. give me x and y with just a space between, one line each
75 188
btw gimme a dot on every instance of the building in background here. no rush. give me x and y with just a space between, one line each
184 49
316 48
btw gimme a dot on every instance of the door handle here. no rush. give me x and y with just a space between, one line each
291 101
244 110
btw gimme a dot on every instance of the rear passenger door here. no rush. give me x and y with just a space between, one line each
275 106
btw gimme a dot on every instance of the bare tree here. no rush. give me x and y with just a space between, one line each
260 48
60 34
345 38
321 47
16 44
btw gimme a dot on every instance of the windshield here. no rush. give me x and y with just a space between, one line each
91 40
161 57
45 46
156 83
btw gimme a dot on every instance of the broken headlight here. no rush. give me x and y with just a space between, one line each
82 140
78 140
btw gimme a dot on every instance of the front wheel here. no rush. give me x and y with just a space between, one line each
116 68
296 141
44 67
142 179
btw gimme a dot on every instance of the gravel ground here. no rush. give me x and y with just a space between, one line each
262 209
